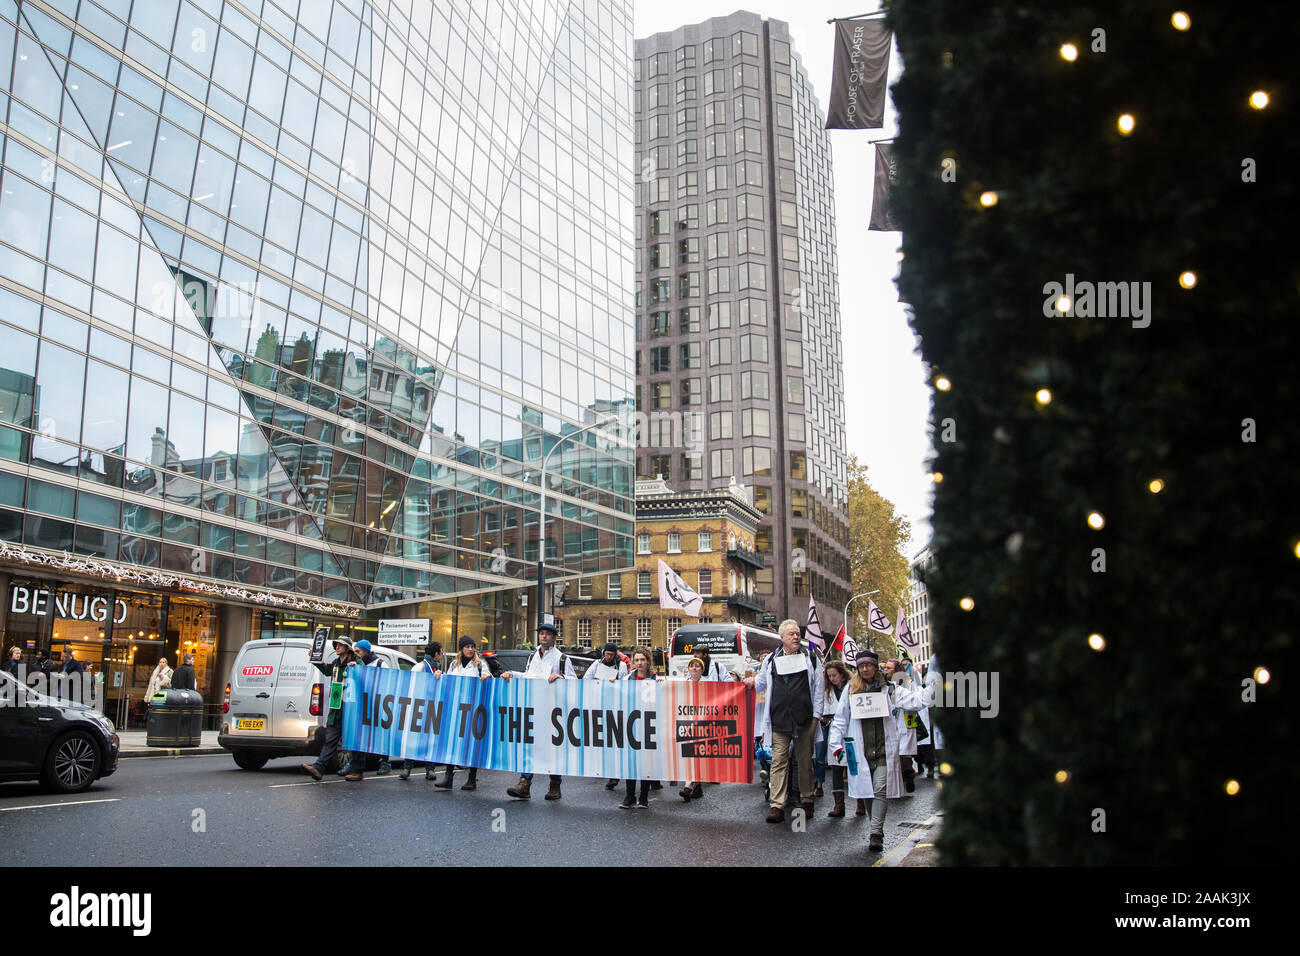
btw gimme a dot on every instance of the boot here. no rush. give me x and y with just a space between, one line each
445 783
472 782
429 772
875 843
554 792
697 791
353 777
384 766
685 794
862 808
522 790
819 792
775 815
405 773
838 809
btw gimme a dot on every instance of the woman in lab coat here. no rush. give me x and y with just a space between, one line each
877 774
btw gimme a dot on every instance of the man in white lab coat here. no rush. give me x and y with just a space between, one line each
792 677
547 663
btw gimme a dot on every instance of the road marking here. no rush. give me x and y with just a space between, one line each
70 803
318 783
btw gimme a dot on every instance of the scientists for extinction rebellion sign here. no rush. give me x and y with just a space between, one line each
646 730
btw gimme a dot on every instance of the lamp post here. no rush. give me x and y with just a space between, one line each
541 523
851 600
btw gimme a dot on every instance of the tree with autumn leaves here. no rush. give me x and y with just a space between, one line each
878 539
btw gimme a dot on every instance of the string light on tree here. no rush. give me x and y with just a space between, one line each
1043 396
988 198
1187 279
1069 52
1181 21
1126 122
942 383
1156 486
1063 304
967 604
1062 776
1232 788
1095 520
1262 676
1096 642
1259 99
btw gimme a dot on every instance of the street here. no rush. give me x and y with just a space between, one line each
162 811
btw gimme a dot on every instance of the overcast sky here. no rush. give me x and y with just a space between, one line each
887 398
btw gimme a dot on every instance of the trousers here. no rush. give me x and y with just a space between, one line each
801 742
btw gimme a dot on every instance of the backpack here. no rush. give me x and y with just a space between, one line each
494 665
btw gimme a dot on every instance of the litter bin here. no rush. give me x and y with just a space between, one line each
175 719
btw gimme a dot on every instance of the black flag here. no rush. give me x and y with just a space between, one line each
882 211
859 78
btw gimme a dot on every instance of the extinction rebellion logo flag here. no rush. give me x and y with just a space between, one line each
859 77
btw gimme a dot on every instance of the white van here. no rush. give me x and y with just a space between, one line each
276 700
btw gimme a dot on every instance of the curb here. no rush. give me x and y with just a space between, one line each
900 853
136 752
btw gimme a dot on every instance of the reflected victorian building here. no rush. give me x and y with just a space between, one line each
293 300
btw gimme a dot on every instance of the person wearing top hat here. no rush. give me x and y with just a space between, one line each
549 664
336 670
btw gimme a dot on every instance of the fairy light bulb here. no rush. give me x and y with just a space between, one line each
1181 21
1096 642
967 604
1232 788
1156 486
1259 99
1095 520
1069 52
1187 279
1126 122
988 198
1043 396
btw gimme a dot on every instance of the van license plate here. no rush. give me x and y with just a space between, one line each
251 724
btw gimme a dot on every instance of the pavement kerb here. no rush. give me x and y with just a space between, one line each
171 752
898 854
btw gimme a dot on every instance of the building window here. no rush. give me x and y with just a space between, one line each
748 140
763 499
584 588
614 630
715 113
689 354
706 540
688 285
643 544
658 255
661 395
755 423
753 348
692 466
706 583
614 587
720 387
754 384
751 275
643 584
715 146
718 245
584 632
798 465
657 65
753 312
720 426
714 50
750 241
643 631
660 324
781 83
688 184
749 207
688 120
715 81
794 389
749 172
688 216
688 250
661 358
757 461
742 43
715 212
795 427
686 57
689 319
672 624
691 394
715 178
746 107
674 542
719 280
723 463
719 352
662 465
686 89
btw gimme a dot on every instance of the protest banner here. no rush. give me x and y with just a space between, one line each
669 730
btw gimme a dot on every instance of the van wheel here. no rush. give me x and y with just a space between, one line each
72 763
250 761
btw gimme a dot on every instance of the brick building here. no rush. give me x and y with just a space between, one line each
705 536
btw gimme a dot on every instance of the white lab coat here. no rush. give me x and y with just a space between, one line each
763 683
859 784
469 670
932 690
602 671
716 673
906 734
544 666
830 704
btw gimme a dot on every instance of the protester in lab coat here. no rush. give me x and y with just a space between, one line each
550 664
713 671
877 775
904 723
791 718
837 685
609 667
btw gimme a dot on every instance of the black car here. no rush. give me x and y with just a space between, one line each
64 744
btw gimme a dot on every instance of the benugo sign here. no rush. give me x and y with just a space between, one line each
64 604
645 730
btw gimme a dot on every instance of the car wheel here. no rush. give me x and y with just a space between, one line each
249 761
73 763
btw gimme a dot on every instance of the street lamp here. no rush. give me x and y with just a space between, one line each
851 600
541 524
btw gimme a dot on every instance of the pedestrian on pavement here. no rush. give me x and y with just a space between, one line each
336 670
14 661
71 665
641 670
904 723
367 657
693 788
932 695
183 677
431 663
159 680
792 677
468 664
549 664
837 682
870 744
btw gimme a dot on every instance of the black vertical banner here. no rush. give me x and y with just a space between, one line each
858 80
882 210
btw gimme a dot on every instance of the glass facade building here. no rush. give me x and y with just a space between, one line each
738 322
295 296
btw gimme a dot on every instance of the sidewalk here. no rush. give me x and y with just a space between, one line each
133 745
919 849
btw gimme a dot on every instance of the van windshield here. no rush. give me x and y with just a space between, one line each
719 640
